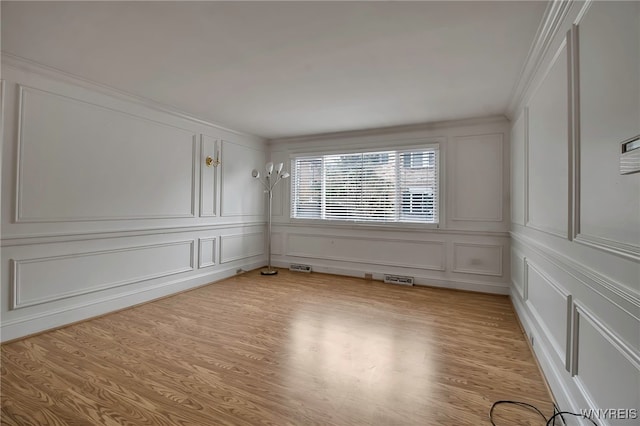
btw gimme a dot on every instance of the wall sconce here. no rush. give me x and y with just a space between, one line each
270 180
211 162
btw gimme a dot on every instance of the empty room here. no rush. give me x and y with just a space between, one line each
320 213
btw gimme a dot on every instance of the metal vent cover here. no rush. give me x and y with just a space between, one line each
299 267
398 279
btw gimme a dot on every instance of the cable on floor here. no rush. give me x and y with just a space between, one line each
551 421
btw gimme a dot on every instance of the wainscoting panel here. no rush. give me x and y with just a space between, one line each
474 212
602 326
70 152
480 259
41 280
208 175
551 306
409 254
241 246
583 100
242 195
609 113
104 196
477 178
277 243
547 167
595 342
207 251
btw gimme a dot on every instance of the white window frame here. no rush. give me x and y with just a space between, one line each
425 145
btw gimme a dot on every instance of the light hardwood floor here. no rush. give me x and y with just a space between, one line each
294 349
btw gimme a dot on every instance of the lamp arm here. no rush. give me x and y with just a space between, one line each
264 184
278 179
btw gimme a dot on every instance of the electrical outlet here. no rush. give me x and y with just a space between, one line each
368 276
532 340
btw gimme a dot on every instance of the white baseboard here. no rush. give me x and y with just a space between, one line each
457 284
48 320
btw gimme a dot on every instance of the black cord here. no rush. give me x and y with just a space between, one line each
560 413
551 421
556 410
521 404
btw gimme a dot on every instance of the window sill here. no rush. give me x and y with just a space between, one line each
360 225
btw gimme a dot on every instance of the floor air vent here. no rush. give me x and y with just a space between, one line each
398 279
299 268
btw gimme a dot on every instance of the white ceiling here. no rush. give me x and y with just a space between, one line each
279 69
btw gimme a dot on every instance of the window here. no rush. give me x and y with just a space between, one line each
382 187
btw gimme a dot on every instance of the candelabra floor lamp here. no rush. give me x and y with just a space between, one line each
270 180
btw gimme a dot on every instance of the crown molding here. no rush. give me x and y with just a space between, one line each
393 129
24 64
554 17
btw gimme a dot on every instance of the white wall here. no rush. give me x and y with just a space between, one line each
575 228
107 201
470 249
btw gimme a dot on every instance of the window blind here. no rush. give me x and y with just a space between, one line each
383 186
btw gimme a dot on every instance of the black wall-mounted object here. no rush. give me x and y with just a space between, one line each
630 156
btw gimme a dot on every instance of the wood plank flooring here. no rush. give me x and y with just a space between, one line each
294 349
